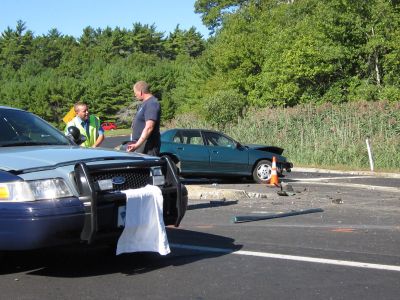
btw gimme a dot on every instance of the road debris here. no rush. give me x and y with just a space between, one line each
256 195
285 193
222 202
243 219
337 201
286 190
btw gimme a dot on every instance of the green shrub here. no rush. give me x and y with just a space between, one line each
224 107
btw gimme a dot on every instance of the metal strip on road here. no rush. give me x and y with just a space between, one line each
336 262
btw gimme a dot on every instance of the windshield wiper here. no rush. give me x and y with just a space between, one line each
28 143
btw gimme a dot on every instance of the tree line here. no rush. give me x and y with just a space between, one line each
260 53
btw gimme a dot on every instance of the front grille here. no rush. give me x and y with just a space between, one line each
134 178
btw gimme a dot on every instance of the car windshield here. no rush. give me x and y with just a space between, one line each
21 128
216 139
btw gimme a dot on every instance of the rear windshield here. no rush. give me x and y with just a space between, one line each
21 128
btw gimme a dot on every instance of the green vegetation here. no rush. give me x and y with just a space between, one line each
116 132
286 60
48 74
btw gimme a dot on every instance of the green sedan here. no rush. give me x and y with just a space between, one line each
207 153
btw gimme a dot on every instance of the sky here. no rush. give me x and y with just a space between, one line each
70 17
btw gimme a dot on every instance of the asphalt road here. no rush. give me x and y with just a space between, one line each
111 142
347 250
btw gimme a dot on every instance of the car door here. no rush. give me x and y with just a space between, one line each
191 151
225 155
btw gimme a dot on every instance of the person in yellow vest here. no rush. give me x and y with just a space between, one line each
88 125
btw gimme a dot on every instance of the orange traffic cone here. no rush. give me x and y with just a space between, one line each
274 180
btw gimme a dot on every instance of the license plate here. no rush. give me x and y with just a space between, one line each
121 216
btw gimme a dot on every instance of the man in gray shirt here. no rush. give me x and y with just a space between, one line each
146 124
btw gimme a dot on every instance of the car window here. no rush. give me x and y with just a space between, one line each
218 140
195 140
178 138
189 137
20 128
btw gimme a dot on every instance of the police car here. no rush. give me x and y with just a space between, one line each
54 192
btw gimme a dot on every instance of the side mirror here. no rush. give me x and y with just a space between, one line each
76 135
123 146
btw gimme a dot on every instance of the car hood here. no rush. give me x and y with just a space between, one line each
272 149
20 158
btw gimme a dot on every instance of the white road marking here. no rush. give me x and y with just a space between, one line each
332 178
345 184
336 226
336 262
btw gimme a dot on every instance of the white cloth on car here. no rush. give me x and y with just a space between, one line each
144 225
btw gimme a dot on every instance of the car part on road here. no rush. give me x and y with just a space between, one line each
222 202
243 219
285 193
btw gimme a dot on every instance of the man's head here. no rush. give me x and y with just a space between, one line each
141 89
82 110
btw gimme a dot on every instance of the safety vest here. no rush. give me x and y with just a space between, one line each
94 124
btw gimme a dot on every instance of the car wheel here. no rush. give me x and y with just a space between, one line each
262 171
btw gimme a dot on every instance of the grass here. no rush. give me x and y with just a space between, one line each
117 132
326 136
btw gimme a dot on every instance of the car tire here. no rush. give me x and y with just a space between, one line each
262 171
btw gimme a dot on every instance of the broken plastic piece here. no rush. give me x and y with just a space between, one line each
243 219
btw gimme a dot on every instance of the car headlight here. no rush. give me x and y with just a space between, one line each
21 191
16 191
157 176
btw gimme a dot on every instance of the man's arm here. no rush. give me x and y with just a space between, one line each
99 140
101 136
148 129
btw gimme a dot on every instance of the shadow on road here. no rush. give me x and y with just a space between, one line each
211 204
196 181
85 261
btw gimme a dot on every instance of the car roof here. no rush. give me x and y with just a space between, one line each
12 108
194 129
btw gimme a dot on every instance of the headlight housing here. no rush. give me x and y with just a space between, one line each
157 177
21 191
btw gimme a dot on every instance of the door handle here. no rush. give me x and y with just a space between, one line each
180 148
215 151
